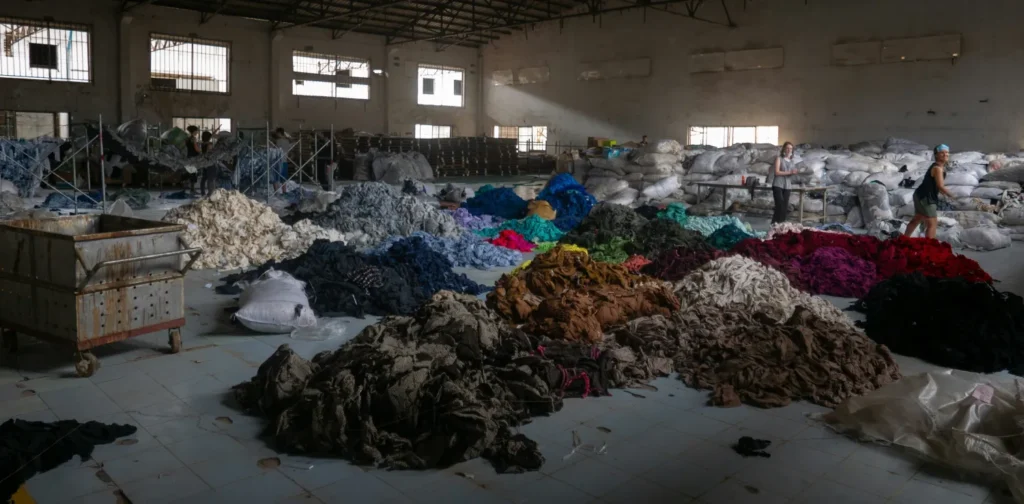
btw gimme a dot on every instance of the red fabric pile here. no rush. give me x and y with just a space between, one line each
674 264
512 240
636 262
896 256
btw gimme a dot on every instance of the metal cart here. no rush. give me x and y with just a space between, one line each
89 280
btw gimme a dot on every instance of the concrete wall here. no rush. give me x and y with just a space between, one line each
972 104
404 113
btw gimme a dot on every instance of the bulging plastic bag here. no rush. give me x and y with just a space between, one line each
275 303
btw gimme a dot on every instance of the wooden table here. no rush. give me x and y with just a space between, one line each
798 189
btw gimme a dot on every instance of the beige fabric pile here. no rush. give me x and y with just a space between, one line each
236 231
752 287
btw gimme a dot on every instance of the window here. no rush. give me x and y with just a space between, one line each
210 124
529 138
188 64
43 50
431 131
725 136
440 86
29 125
330 76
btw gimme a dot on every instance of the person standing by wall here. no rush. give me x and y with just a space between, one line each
284 143
193 148
325 161
210 172
926 196
782 171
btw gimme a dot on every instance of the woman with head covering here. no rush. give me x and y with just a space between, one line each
926 196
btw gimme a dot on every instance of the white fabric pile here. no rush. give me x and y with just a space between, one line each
625 175
740 280
236 231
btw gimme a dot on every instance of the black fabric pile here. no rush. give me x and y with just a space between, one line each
443 386
648 211
342 281
604 222
660 235
30 448
947 322
750 447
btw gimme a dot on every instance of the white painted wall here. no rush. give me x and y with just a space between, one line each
976 102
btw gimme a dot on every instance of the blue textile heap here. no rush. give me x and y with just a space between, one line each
570 200
433 272
466 250
726 237
57 201
502 202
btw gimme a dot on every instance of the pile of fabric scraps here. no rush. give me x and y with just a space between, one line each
57 200
512 240
781 228
749 286
24 162
708 225
570 200
648 211
466 250
452 193
659 235
895 256
635 263
251 169
674 264
235 231
441 387
137 199
948 322
569 295
342 281
834 271
533 228
30 448
474 222
674 212
378 210
545 246
746 356
541 209
502 202
612 251
605 221
10 204
726 237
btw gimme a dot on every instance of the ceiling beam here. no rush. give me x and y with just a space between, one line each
382 5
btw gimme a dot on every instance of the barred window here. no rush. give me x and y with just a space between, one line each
432 131
726 136
211 124
189 64
528 138
439 85
330 76
45 50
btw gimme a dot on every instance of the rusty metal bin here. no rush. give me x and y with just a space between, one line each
88 280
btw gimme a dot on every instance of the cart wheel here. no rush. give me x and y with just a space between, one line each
86 364
174 339
10 341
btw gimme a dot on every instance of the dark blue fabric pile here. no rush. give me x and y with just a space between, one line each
433 271
726 237
502 202
56 200
570 200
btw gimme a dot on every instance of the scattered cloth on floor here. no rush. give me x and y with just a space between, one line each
474 222
236 231
57 201
502 202
465 250
947 322
674 264
30 448
176 195
743 355
674 212
659 235
752 287
372 211
750 447
541 209
441 387
965 421
512 240
533 228
137 199
342 281
899 255
569 295
605 221
726 237
570 200
612 251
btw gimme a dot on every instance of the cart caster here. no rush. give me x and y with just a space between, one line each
86 364
10 341
174 339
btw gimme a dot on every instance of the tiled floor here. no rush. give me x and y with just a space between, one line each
665 446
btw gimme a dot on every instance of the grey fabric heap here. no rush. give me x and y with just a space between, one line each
604 222
380 210
431 390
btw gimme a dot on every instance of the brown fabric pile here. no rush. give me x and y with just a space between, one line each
568 295
443 386
747 357
541 209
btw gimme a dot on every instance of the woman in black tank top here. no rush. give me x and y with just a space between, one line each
926 196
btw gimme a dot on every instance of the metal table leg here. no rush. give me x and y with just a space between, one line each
801 205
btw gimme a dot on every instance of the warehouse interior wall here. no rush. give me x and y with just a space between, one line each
971 102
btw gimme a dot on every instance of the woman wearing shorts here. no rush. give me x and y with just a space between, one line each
926 196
